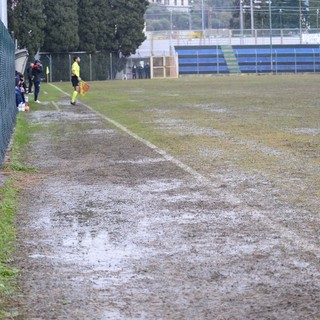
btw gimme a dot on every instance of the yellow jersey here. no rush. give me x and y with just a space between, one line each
75 69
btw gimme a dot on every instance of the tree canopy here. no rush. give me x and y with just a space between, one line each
61 29
117 26
78 25
26 19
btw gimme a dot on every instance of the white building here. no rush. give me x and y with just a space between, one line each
182 5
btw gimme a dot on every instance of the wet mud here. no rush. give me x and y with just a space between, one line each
110 229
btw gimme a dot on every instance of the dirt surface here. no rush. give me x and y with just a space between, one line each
111 229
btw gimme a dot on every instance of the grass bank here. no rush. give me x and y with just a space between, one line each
9 201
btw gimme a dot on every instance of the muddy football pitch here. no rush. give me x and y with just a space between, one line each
190 198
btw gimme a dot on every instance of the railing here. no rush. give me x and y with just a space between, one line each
159 43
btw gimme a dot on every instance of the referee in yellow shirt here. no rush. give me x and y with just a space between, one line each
75 78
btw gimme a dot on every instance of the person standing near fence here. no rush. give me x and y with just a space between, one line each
140 71
134 72
36 75
29 73
75 78
147 70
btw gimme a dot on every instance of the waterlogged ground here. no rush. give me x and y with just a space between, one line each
109 228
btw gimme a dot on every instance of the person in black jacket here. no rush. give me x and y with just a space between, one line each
22 85
147 70
140 71
134 72
29 73
36 78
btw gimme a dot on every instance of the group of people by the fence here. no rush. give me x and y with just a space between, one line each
34 73
140 71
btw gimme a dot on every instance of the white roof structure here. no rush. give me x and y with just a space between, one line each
173 4
3 12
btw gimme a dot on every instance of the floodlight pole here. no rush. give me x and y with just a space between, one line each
300 21
241 21
171 26
252 17
270 31
202 16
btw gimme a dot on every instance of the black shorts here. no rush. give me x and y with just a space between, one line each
75 81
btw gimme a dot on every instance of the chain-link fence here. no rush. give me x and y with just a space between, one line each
94 66
8 110
104 66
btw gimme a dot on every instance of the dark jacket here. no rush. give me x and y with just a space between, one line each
36 73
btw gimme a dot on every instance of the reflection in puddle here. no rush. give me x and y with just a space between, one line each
97 251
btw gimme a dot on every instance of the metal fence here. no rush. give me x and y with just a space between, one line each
8 110
94 66
161 43
104 66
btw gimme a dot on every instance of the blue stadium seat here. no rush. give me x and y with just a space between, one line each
251 59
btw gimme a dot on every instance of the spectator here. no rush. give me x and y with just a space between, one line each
29 74
22 85
36 75
140 70
147 70
18 92
134 72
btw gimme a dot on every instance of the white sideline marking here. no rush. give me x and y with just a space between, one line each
163 153
56 106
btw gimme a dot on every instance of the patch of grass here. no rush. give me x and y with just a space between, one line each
47 96
8 208
18 167
9 197
21 139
